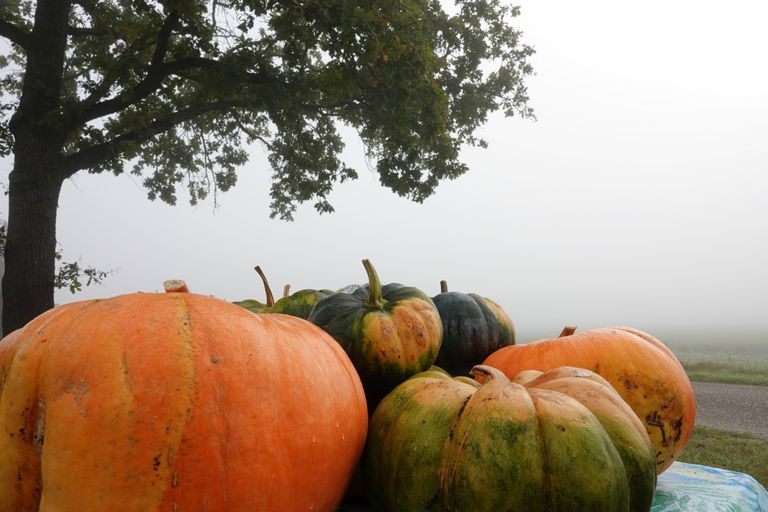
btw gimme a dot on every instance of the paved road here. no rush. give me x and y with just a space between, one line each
735 407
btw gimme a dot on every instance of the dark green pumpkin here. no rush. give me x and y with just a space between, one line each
473 328
562 443
390 333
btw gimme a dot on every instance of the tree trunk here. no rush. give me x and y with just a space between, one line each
30 251
37 176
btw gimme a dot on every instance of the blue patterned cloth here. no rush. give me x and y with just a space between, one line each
693 488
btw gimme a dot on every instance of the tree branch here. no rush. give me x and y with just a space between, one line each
94 155
143 89
87 31
163 37
14 34
154 80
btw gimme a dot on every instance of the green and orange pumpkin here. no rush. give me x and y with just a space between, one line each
562 442
390 332
175 401
643 370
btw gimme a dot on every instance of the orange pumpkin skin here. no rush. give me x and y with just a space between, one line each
643 370
165 402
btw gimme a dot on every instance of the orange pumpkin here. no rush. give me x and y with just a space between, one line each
175 401
643 370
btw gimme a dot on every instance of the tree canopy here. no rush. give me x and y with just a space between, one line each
175 91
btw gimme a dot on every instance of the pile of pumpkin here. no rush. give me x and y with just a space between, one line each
179 401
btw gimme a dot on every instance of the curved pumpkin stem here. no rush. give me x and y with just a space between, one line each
286 290
485 374
443 286
175 286
270 298
374 285
567 331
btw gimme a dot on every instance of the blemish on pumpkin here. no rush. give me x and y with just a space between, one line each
452 432
39 435
214 359
677 426
628 383
433 500
79 392
654 420
156 462
171 455
175 481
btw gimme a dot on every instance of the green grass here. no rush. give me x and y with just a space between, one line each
737 357
728 450
734 369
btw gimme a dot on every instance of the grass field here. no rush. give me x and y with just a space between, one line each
734 369
744 453
738 357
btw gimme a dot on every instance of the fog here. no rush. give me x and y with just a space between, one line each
638 197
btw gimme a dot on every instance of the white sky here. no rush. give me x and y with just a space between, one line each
637 198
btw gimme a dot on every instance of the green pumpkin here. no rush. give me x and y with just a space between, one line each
390 333
473 328
298 304
253 305
560 443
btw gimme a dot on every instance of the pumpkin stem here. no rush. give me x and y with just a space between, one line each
286 290
374 285
443 286
270 298
485 374
567 331
175 286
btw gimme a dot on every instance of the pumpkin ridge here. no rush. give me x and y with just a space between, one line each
415 391
191 350
546 470
164 463
21 369
547 404
451 452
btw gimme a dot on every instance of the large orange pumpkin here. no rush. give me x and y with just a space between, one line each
643 370
176 401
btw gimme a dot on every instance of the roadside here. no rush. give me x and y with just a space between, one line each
734 407
731 428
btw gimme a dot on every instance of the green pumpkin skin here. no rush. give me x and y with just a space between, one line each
390 333
627 432
298 304
473 328
442 444
251 305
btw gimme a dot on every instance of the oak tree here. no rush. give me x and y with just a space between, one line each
174 91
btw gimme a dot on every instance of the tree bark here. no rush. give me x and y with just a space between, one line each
38 170
30 251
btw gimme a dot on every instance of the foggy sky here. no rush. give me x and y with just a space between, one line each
638 197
